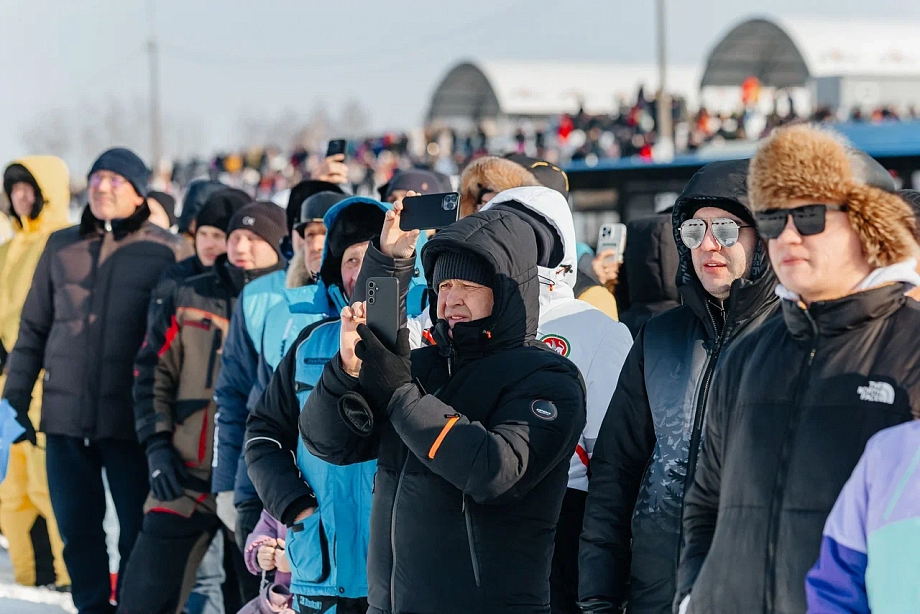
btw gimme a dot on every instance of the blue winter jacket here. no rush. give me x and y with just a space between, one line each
238 367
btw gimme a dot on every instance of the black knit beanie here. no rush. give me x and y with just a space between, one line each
462 265
126 163
220 208
267 220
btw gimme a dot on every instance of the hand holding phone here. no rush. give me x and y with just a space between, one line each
395 242
430 211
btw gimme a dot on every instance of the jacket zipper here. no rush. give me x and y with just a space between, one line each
100 343
783 472
399 484
699 414
467 515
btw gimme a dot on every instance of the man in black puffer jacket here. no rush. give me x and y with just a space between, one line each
83 322
649 442
472 436
794 403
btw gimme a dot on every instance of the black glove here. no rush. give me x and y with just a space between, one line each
383 370
29 434
167 471
247 517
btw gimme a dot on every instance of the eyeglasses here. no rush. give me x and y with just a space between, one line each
808 220
725 231
116 181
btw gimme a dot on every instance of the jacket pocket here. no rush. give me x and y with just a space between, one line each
474 556
308 550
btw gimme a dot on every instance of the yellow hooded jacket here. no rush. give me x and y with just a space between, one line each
19 256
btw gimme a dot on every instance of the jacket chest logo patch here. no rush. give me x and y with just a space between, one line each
544 410
558 344
877 392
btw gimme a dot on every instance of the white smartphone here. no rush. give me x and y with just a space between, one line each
612 237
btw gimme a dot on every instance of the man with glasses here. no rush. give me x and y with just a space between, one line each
795 402
648 444
83 322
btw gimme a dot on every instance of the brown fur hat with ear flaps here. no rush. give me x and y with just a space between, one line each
490 174
803 162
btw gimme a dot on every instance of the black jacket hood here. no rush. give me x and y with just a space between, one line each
195 197
651 261
507 244
722 180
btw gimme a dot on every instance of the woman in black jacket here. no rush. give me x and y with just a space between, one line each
472 436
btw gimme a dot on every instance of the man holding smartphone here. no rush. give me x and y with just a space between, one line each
472 437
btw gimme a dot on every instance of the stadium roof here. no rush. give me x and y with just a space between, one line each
790 52
486 89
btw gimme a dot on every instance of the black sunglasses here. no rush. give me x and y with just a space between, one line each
808 220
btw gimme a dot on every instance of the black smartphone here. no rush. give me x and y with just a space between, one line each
430 211
336 147
383 308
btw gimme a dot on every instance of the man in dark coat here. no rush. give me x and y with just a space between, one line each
83 321
472 436
649 442
794 403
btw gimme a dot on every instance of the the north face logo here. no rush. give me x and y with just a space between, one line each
877 392
249 221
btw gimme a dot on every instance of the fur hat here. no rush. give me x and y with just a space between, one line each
805 162
490 174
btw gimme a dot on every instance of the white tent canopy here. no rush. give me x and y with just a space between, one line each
489 89
789 52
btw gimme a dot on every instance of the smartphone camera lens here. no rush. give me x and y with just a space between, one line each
371 292
370 300
450 202
371 284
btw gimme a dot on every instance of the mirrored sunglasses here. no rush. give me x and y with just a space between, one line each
724 230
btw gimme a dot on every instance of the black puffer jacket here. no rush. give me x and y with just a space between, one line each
470 477
650 264
648 444
84 321
791 410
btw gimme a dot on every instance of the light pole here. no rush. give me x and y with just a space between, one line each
665 146
156 145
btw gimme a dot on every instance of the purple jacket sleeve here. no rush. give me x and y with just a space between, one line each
837 582
267 527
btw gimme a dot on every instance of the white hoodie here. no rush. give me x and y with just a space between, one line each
585 335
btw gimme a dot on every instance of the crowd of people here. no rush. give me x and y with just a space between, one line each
726 421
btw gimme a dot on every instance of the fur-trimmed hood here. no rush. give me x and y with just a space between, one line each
806 162
490 174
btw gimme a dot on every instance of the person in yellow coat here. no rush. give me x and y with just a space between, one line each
39 194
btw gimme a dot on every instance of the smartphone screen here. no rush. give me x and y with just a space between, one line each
430 211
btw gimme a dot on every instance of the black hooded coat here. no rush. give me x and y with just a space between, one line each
649 442
472 462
